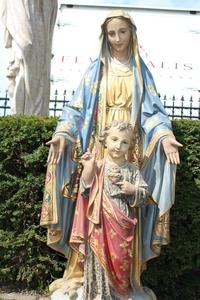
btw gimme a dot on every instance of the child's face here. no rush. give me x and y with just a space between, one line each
118 143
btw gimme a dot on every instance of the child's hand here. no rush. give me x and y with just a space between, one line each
126 187
88 159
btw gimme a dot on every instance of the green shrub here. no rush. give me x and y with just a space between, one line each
26 260
174 274
28 263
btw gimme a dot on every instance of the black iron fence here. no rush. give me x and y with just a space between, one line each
176 107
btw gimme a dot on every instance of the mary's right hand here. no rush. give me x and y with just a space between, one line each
57 146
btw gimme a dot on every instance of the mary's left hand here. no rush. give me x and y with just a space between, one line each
170 146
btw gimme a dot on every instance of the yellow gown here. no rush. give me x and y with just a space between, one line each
117 98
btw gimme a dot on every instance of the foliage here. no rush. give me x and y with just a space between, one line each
174 274
26 260
28 263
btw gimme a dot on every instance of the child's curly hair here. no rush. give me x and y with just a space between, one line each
121 126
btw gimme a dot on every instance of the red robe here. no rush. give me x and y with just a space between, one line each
109 232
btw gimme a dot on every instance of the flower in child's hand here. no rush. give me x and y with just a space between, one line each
114 175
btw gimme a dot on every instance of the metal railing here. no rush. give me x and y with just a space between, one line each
176 108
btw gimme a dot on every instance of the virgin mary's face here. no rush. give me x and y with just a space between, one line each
118 34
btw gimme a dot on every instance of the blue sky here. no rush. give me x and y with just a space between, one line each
154 4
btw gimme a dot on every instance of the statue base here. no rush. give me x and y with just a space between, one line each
144 293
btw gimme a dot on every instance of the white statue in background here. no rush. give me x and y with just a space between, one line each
29 27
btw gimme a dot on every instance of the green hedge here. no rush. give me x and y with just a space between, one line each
175 274
27 263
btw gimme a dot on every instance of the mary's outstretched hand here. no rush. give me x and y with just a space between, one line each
57 146
170 146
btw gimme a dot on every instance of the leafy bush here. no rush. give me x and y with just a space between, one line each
28 263
26 260
174 275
